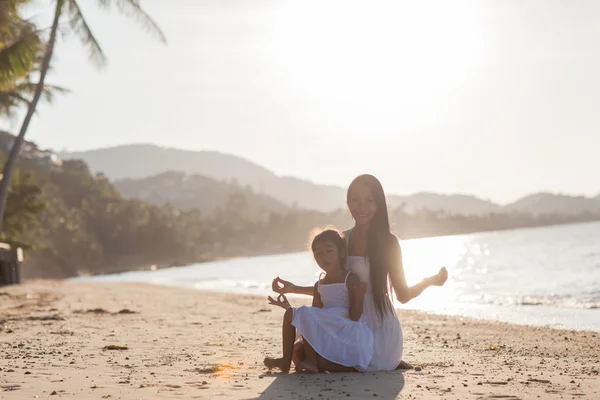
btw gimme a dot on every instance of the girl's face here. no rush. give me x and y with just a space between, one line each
361 204
328 256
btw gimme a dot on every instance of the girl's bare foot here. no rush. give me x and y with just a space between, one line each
278 363
308 366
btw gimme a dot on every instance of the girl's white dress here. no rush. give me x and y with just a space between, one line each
387 332
331 332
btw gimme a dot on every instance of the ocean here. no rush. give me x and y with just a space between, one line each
546 276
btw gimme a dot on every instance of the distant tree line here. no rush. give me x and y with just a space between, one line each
71 222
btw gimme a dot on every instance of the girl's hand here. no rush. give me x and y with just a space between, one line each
440 278
281 301
360 288
286 287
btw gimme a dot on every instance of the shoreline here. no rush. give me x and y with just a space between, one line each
195 344
210 258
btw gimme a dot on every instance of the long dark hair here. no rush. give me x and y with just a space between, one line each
331 235
379 251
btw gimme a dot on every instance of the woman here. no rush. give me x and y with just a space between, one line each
374 255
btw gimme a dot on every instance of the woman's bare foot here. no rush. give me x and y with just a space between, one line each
308 366
278 363
404 365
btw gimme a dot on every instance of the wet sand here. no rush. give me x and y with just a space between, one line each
137 341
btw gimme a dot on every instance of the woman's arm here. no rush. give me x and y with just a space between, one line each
289 287
356 291
405 293
317 302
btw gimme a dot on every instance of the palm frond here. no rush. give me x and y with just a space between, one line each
9 14
29 88
18 95
10 102
84 33
132 9
18 56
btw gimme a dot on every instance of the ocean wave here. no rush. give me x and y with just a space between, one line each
565 301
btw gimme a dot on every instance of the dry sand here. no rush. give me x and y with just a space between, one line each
190 344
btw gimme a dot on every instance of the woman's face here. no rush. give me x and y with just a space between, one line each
361 204
327 255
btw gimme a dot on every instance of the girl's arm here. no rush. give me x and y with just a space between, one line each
317 302
289 287
356 290
405 293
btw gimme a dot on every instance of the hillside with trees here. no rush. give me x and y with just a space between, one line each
72 222
128 166
200 192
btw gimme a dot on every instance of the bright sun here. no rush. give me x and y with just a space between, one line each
398 59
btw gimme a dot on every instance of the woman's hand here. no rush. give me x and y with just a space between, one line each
440 278
281 301
286 287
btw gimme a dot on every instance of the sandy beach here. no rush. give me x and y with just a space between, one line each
136 341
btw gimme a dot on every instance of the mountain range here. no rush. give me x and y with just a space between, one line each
185 178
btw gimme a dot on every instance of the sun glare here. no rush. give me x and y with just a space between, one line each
380 60
424 257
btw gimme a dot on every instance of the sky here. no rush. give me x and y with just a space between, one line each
493 98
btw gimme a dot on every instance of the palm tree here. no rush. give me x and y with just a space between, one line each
78 27
19 43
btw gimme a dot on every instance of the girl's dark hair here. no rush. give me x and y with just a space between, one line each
379 244
333 236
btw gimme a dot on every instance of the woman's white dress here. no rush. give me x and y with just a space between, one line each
387 332
331 332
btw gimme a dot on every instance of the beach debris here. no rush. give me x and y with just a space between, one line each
115 347
91 311
54 393
215 369
102 311
107 396
127 311
538 380
418 368
63 332
496 348
55 317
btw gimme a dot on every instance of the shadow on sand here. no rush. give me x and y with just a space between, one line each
381 385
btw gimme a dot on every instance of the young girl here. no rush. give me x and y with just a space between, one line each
335 337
